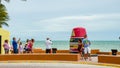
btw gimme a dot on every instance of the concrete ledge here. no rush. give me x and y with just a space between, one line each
95 51
63 51
109 59
107 53
104 53
60 57
37 50
118 53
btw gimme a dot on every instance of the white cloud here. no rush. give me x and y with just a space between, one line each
93 23
89 17
100 22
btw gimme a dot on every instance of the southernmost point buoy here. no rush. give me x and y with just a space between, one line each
77 33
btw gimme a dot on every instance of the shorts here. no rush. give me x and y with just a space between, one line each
87 50
6 51
48 50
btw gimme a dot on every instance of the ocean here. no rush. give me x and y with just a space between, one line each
104 46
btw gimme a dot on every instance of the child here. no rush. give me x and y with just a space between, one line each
20 48
25 48
6 47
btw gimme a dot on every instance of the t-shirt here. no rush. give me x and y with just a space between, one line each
20 47
48 44
86 43
14 43
6 46
30 44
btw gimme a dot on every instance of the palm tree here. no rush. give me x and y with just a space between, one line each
3 14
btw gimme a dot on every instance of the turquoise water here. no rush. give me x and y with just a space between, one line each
106 45
102 45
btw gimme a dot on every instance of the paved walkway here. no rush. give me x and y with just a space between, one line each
56 64
48 65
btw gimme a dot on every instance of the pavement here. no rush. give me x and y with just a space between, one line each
48 65
56 64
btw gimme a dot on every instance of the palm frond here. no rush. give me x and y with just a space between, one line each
4 23
7 0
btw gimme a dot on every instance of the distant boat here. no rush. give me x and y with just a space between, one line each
119 37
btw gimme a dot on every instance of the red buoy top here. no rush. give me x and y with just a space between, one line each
79 32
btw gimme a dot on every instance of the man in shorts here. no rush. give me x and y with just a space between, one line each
48 43
87 49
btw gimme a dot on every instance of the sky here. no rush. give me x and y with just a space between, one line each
55 19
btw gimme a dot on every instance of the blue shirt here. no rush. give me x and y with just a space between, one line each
14 43
86 43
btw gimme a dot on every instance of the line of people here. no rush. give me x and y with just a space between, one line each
18 47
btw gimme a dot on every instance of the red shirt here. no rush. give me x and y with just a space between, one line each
30 44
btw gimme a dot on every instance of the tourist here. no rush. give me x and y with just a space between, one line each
11 49
30 45
20 48
15 45
26 46
48 43
87 50
6 47
81 47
